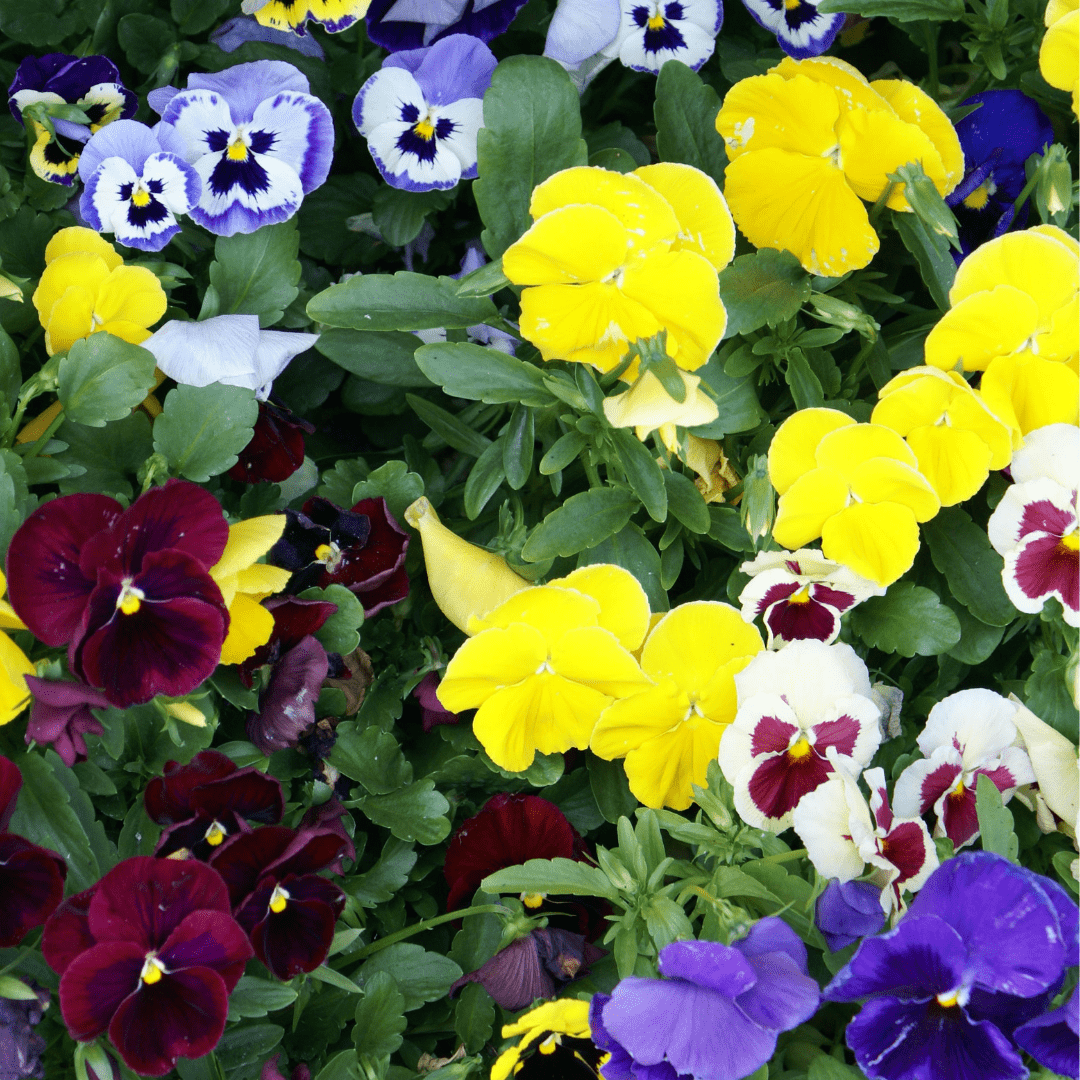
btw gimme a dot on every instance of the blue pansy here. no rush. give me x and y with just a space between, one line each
421 111
257 138
800 28
655 31
410 24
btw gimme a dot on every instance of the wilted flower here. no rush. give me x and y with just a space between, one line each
410 24
1058 51
655 31
847 911
61 716
276 449
647 406
237 31
801 30
287 704
426 692
554 1035
1053 760
20 1046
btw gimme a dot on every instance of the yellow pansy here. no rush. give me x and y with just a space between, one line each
544 1026
670 731
810 140
612 258
857 486
957 440
647 406
86 288
14 663
544 664
1059 53
245 582
291 15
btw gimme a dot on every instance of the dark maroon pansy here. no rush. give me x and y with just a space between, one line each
10 786
426 693
330 816
61 716
294 620
290 921
165 957
67 931
276 449
287 704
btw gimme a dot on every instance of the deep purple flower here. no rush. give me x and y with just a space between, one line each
166 953
276 449
233 33
61 716
410 24
716 1012
426 692
997 138
537 965
20 1046
1051 1039
362 548
847 911
287 705
328 816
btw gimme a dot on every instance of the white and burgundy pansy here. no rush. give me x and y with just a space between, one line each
844 834
801 595
797 709
1035 526
968 734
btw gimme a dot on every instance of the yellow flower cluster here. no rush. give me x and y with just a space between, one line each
811 139
1059 53
1015 316
86 288
14 663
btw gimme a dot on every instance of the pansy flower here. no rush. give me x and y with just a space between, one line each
1053 760
411 24
276 449
1058 51
15 665
794 705
293 16
554 1035
421 110
1034 527
62 716
90 82
801 30
160 954
1004 130
579 34
426 693
135 189
967 735
257 138
847 911
241 29
1051 1039
801 595
654 31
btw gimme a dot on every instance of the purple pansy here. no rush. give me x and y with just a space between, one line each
426 692
410 24
801 30
716 1012
233 33
655 31
847 911
1052 1039
421 110
997 139
257 138
20 1046
982 936
61 716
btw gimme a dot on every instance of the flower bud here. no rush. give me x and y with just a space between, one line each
1053 186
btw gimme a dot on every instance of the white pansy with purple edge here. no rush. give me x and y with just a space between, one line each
800 28
135 189
229 349
1035 526
579 33
794 706
801 595
967 734
655 31
421 111
257 138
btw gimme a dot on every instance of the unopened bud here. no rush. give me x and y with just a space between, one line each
1053 186
758 507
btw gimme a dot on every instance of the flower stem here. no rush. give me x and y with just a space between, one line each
427 924
785 856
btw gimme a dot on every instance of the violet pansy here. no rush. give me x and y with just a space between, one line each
421 111
257 138
801 30
135 189
410 24
655 31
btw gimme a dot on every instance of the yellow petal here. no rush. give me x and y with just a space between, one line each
8 619
83 271
1028 392
593 657
1058 54
78 239
955 462
793 449
980 327
969 412
917 107
14 667
1058 234
847 448
261 580
250 625
624 607
878 541
919 401
495 658
71 318
664 770
705 224
1058 9
130 294
567 245
800 204
887 480
627 724
719 701
849 83
1062 340
647 405
248 541
550 610
227 583
804 508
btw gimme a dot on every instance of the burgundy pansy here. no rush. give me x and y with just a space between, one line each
61 716
426 692
362 549
207 800
276 449
165 955
127 590
795 706
31 877
967 734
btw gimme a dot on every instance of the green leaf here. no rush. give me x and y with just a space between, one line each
804 385
399 215
103 378
471 371
145 40
394 483
518 445
908 620
685 113
380 1016
421 976
581 522
342 1066
385 358
736 401
401 301
631 549
995 820
195 16
246 1045
961 551
257 273
340 632
448 427
332 977
111 455
474 1017
666 921
900 10
563 452
931 253
977 640
15 989
642 472
828 1068
765 288
484 280
372 757
564 877
386 877
202 429
253 998
725 527
417 812
614 159
686 503
532 129
485 477
1047 694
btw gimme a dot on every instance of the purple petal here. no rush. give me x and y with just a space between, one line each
61 716
847 911
1052 1039
10 786
410 31
719 967
297 938
127 139
95 983
287 706
783 997
580 29
67 931
246 86
302 131
31 886
455 67
212 939
233 33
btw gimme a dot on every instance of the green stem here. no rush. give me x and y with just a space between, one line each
785 856
427 924
45 437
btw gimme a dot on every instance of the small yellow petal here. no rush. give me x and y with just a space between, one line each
918 402
550 610
917 107
567 245
82 271
1058 54
627 724
14 667
593 657
130 294
624 607
980 327
794 446
878 541
885 480
490 660
807 504
71 318
854 91
969 412
250 625
955 462
663 772
1028 392
647 405
1062 340
845 449
248 541
78 239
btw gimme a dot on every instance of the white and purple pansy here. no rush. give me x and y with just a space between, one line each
421 111
801 30
579 33
134 189
411 24
801 595
1035 526
259 140
655 31
967 735
801 710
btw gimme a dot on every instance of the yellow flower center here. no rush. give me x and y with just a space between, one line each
980 196
801 597
329 555
140 197
532 900
800 750
425 129
791 5
214 835
130 599
1071 542
237 150
152 970
656 22
950 998
549 1045
278 899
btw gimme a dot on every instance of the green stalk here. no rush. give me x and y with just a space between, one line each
427 924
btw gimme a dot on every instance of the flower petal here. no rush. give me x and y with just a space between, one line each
551 252
793 449
877 541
